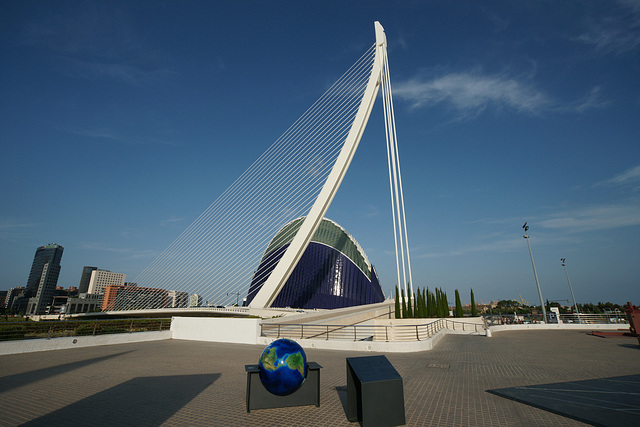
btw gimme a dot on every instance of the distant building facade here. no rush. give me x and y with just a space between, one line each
100 279
178 299
195 300
12 294
42 281
126 297
84 303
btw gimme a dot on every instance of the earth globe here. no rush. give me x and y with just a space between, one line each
283 367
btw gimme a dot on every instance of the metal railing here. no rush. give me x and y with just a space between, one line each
511 319
71 328
360 332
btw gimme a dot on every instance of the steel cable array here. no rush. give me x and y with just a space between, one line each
217 255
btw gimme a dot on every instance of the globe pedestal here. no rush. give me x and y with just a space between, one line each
259 398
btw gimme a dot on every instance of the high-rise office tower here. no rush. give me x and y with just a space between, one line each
83 288
43 278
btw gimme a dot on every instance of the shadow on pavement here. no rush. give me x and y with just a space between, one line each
143 401
633 346
611 401
16 380
342 395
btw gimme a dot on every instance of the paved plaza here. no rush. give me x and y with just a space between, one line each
190 383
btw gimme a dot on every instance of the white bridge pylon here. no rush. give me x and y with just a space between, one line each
294 252
216 258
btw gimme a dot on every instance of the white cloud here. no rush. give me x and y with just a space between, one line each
589 102
129 252
552 229
97 42
11 229
170 220
595 218
618 32
107 134
471 93
500 243
628 177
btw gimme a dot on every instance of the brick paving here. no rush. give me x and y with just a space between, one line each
189 383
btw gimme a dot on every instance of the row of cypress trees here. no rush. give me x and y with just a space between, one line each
429 304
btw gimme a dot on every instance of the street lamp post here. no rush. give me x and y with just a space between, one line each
237 297
535 273
564 264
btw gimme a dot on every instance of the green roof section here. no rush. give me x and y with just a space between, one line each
328 233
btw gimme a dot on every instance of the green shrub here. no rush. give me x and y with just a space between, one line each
88 329
12 332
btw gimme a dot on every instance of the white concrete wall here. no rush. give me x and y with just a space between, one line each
216 329
44 344
558 326
373 346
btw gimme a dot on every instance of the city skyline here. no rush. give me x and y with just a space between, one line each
506 113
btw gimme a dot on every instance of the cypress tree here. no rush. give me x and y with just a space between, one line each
439 312
445 304
459 311
416 305
442 305
474 310
429 304
404 305
425 301
434 307
409 308
397 304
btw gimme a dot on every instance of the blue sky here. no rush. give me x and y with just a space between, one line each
122 121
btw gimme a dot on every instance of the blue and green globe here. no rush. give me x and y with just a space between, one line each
283 367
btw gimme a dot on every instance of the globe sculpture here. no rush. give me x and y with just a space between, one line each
283 367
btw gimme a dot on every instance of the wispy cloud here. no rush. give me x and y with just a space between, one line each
171 220
592 100
471 93
129 73
11 229
107 134
628 177
595 218
96 42
497 243
617 32
130 252
554 228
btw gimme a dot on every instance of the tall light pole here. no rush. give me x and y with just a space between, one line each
564 264
535 273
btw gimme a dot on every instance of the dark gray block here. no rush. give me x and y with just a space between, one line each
375 394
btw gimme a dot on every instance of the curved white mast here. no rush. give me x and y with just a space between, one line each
292 255
395 183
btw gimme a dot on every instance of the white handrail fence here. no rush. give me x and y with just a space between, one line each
366 332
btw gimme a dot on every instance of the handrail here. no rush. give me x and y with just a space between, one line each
355 332
68 328
581 318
